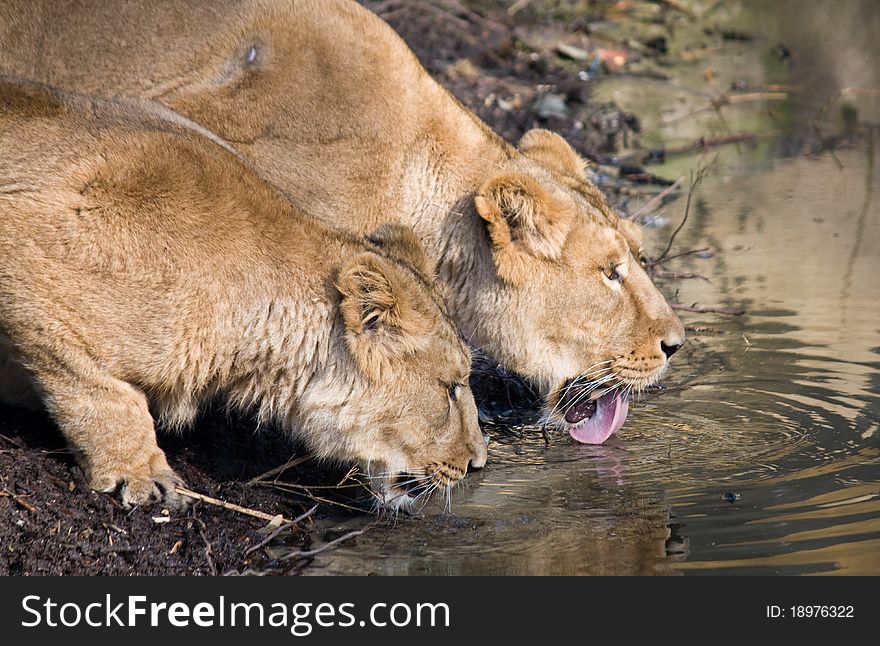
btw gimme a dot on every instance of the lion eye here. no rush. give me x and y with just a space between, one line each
611 274
453 392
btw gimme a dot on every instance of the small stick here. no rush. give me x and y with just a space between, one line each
657 200
704 329
704 144
227 505
678 6
307 553
209 552
694 182
307 488
282 486
19 500
277 471
660 273
683 253
765 87
756 96
517 6
284 527
687 208
13 442
860 91
351 472
704 310
827 146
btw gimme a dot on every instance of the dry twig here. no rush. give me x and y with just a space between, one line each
209 553
707 251
694 182
19 500
302 490
306 553
660 273
657 200
277 471
14 442
678 6
278 531
517 6
731 311
704 329
227 505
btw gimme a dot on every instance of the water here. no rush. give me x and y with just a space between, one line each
779 413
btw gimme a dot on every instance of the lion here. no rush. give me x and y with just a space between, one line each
328 103
146 269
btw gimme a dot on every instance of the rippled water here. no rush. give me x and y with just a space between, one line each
776 410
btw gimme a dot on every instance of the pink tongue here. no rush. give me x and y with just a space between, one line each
611 410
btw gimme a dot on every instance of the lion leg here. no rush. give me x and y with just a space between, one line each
109 424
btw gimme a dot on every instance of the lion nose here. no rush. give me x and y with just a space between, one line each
479 454
669 350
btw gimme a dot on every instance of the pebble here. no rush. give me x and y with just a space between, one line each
572 52
551 105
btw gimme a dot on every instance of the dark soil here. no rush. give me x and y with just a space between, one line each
51 523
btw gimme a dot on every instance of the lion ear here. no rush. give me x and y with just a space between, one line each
553 151
400 243
383 317
523 221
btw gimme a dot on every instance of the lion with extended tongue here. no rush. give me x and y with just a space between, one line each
326 101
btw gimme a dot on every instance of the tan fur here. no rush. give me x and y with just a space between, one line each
327 102
144 269
553 151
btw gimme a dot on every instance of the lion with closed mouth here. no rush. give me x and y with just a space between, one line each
329 104
146 269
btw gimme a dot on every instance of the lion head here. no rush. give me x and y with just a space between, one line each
406 414
571 282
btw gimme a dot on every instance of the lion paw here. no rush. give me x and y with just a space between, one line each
142 487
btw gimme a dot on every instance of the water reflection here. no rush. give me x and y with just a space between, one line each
539 511
816 375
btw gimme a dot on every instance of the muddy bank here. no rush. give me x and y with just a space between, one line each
51 523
